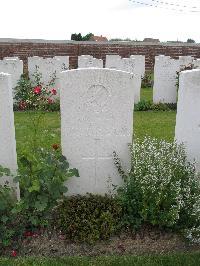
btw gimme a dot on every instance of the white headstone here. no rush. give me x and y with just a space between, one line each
83 60
165 73
140 62
132 66
196 63
185 60
64 60
113 62
14 67
8 156
86 61
50 68
188 114
96 120
98 63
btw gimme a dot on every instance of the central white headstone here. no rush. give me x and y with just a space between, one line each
96 120
8 156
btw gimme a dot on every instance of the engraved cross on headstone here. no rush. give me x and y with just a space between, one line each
96 157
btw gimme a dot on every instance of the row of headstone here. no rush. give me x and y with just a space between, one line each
49 68
135 65
93 126
165 77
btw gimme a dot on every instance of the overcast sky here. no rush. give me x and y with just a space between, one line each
57 19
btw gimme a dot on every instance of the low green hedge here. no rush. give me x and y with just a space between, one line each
88 218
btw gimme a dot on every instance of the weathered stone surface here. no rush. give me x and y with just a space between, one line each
196 63
185 60
113 62
96 119
140 61
13 66
86 61
8 156
165 73
188 114
50 68
132 66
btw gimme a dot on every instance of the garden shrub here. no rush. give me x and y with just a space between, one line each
88 218
34 95
144 105
10 225
147 81
163 106
162 187
41 176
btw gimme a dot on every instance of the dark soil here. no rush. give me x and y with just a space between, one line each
146 241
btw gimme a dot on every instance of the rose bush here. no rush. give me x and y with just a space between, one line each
34 95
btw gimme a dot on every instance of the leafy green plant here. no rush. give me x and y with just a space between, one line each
147 81
88 218
41 176
162 187
163 106
10 227
144 105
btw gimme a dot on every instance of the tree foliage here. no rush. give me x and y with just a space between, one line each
79 37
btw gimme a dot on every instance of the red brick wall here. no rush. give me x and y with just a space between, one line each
25 48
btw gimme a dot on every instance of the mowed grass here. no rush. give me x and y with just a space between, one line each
147 94
153 260
156 124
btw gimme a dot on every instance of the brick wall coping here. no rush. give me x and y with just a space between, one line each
132 43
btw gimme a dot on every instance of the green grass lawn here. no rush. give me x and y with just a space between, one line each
147 94
156 124
165 260
153 123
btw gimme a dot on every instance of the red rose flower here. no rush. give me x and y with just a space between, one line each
50 101
55 146
14 253
28 233
54 91
22 105
37 90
